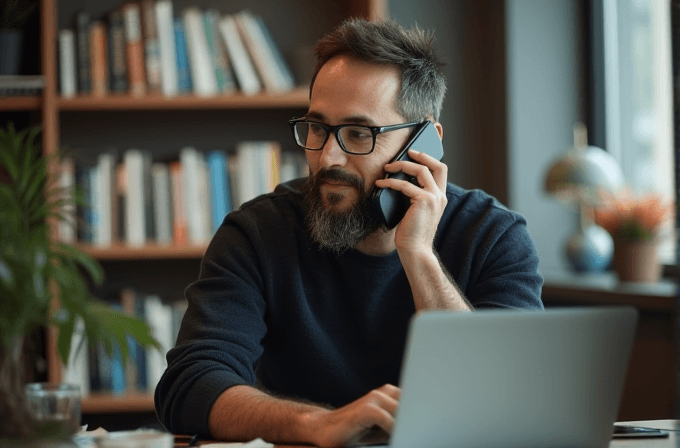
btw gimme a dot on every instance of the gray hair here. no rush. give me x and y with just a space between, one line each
387 43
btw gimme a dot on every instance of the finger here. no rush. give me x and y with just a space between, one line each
421 172
391 390
439 169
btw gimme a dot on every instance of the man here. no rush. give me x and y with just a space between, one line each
296 327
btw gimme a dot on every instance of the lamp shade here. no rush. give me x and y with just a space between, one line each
583 172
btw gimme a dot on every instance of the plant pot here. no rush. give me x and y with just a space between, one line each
636 260
15 421
11 48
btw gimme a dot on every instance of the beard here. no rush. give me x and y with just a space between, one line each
338 230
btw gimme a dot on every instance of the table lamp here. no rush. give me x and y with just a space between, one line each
580 177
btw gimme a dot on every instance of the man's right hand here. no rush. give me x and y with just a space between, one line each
371 416
245 413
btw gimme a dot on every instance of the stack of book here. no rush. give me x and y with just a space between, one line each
132 199
96 371
143 47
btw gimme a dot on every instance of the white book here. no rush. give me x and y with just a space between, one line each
245 72
135 222
67 63
95 193
259 52
168 53
200 60
77 371
247 169
67 181
205 230
159 318
189 159
105 197
162 202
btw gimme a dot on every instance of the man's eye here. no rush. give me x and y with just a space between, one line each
358 133
316 130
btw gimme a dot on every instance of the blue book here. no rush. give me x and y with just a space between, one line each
183 70
220 195
117 370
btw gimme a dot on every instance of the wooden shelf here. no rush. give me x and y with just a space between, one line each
147 252
298 98
109 403
30 102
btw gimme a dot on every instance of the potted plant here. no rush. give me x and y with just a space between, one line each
13 17
43 282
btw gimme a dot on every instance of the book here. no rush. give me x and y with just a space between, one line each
133 369
200 63
67 182
83 52
121 197
244 70
195 195
183 69
167 47
117 68
106 202
84 210
282 65
149 217
220 193
162 203
151 46
180 235
159 318
99 59
259 52
67 64
21 84
135 214
77 371
93 200
134 49
223 75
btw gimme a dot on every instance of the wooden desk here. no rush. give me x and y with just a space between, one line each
651 390
670 442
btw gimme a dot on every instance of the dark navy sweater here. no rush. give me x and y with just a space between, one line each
271 309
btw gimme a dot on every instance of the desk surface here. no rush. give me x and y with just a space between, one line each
668 442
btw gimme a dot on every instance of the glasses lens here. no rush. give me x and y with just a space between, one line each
310 135
357 139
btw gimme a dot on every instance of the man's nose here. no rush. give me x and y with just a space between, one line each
331 153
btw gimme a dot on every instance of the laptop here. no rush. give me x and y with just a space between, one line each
513 378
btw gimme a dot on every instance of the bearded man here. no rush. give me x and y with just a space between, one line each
296 327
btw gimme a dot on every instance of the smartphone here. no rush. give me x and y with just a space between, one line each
391 205
626 432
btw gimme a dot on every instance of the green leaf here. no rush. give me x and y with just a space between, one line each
91 266
66 328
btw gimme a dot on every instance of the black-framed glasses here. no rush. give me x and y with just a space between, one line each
352 138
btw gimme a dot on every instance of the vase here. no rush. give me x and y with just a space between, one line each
636 260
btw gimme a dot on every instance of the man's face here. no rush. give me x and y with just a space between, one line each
347 91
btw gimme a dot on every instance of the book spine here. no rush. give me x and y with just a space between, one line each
166 39
258 51
117 69
93 216
76 371
159 318
67 64
99 59
105 197
128 304
183 70
244 71
149 221
135 217
83 37
225 81
134 49
179 223
151 46
219 187
288 82
162 203
67 180
202 72
121 197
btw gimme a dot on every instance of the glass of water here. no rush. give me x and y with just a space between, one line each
55 407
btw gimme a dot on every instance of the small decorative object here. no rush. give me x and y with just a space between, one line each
54 407
13 16
577 178
635 223
43 282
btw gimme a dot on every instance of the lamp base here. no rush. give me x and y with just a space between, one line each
590 250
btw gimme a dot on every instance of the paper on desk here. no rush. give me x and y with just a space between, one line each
256 443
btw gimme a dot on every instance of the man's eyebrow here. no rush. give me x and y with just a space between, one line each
353 119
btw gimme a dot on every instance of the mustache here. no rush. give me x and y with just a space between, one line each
336 175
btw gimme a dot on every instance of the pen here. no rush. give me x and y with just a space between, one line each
193 440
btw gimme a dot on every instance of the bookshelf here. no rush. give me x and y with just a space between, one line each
77 121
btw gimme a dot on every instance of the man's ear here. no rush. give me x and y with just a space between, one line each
440 129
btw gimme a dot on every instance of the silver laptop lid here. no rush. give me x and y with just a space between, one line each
513 378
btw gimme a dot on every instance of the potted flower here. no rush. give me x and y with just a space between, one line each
635 222
43 282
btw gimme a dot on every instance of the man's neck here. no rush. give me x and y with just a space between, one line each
378 243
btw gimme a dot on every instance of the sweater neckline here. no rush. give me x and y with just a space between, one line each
390 260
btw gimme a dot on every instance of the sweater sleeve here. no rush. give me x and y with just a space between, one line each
219 341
